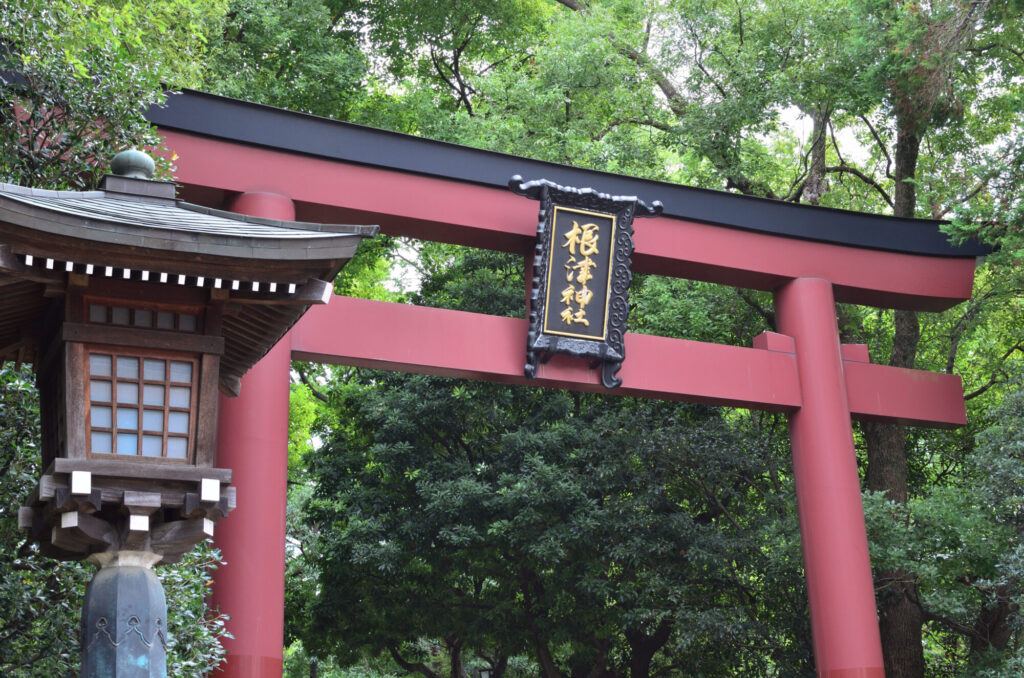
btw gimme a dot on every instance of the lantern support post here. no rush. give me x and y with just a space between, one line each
124 618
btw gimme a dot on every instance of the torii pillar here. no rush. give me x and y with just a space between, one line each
252 440
840 590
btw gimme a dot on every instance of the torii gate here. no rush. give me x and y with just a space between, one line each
272 163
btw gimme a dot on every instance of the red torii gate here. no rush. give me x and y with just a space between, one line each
276 164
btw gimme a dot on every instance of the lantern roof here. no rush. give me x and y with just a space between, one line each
161 226
134 232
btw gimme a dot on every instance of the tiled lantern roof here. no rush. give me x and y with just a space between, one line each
266 271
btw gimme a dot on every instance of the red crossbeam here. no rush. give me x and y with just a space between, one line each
480 216
473 346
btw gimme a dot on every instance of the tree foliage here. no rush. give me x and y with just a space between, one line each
298 55
583 532
76 77
452 525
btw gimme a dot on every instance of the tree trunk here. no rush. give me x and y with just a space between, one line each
499 666
454 645
599 669
901 618
643 647
412 667
546 661
533 590
814 186
992 628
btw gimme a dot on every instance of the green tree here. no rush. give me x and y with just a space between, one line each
38 617
927 93
585 532
302 55
76 77
450 46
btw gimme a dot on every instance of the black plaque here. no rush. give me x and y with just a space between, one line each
579 299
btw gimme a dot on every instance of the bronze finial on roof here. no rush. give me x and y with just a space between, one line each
133 163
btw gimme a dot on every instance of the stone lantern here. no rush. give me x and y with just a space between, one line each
135 310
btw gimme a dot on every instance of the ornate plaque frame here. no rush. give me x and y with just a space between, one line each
606 346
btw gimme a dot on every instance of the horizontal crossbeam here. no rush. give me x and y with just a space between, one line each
464 213
448 343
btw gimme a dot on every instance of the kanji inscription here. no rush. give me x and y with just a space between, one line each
579 266
579 299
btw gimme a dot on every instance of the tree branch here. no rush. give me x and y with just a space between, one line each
464 88
878 140
863 177
796 188
412 667
768 316
676 103
954 625
699 482
835 144
994 379
968 196
714 83
956 333
679 106
304 378
440 72
1002 160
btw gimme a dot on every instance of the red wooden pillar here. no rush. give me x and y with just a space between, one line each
252 440
844 621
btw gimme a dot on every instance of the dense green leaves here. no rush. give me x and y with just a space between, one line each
439 526
888 107
76 77
296 55
583 532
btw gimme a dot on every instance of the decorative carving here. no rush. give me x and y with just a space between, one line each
607 344
102 632
124 619
101 629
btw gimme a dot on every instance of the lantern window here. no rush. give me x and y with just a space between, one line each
148 318
141 404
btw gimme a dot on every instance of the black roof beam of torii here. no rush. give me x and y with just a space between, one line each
255 124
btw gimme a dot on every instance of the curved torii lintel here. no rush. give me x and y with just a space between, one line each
342 173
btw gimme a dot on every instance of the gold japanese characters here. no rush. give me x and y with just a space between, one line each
581 248
579 271
579 292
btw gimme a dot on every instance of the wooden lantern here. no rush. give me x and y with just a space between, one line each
136 310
